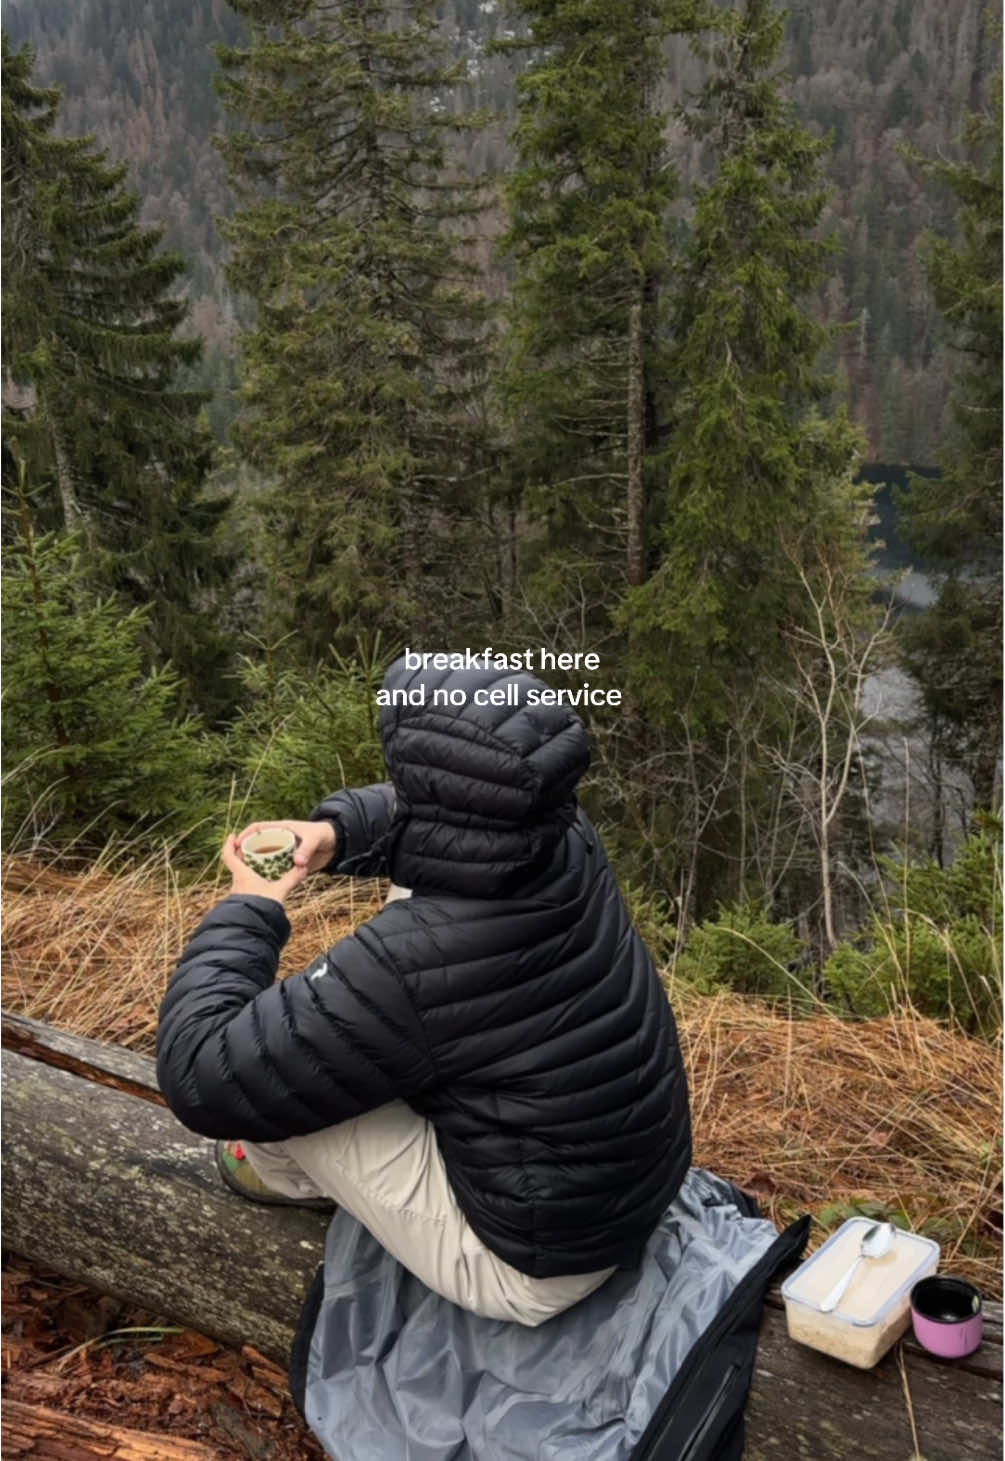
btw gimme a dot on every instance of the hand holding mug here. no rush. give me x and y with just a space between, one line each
246 880
315 842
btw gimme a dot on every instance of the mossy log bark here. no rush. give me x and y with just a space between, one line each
111 1191
103 1185
805 1406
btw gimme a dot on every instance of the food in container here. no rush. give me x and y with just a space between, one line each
874 1310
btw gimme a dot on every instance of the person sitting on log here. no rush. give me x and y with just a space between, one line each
486 1074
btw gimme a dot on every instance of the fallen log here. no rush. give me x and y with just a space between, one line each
39 1434
807 1405
104 1186
111 1191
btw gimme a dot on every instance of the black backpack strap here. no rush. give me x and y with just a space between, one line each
300 1350
700 1418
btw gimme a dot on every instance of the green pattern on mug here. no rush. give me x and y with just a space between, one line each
272 866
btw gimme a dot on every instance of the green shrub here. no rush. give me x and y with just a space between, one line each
300 736
94 746
934 944
742 950
652 915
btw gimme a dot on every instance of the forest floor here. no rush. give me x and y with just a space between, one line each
63 1351
896 1116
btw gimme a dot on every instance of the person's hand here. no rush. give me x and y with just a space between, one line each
248 881
315 842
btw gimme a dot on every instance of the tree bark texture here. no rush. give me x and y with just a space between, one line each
805 1406
40 1434
111 1191
73 517
104 1186
636 432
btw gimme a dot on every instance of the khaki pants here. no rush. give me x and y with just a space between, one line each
385 1168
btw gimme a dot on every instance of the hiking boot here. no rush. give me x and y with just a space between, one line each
241 1177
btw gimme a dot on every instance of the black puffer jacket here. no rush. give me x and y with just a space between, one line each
509 1000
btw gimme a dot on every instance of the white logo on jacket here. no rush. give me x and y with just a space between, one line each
320 966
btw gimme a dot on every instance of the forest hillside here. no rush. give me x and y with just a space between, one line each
547 331
874 74
653 347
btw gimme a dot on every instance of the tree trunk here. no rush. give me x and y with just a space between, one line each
411 546
73 518
986 775
111 1191
513 579
40 1434
636 439
38 597
826 814
806 1406
103 1185
938 803
827 888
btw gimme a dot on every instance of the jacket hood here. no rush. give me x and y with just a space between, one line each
484 792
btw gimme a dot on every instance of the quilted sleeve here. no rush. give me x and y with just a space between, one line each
240 1055
362 819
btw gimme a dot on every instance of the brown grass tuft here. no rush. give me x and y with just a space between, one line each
93 951
812 1113
818 1114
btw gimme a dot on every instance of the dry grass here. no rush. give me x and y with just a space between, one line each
92 951
818 1114
812 1113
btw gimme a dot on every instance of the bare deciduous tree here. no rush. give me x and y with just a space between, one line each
833 652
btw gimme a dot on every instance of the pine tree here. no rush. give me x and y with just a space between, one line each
753 464
92 360
757 511
94 744
955 520
303 733
585 380
363 370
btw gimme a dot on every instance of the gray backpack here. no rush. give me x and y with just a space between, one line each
653 1366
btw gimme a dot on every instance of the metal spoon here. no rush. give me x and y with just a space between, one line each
876 1243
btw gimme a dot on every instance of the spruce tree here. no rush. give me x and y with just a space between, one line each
92 361
754 465
363 369
585 380
955 520
95 745
758 510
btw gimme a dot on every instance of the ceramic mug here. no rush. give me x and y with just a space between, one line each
947 1318
269 852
